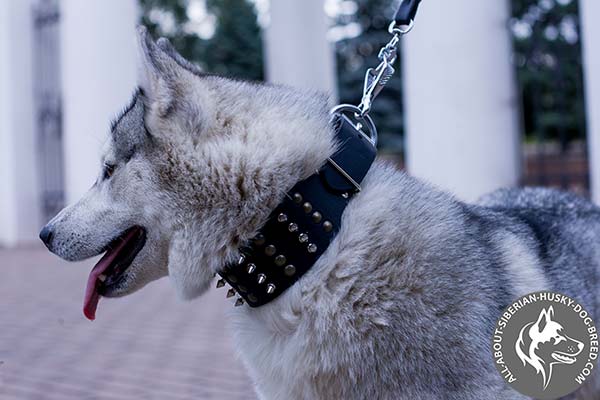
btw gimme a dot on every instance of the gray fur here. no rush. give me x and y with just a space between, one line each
402 304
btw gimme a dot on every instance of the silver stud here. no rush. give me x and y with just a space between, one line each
292 227
230 293
261 279
239 302
259 240
252 298
280 260
312 248
297 198
316 217
289 270
282 217
251 268
220 283
307 207
270 250
303 238
270 288
241 259
345 195
327 226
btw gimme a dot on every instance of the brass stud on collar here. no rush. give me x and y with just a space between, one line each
292 227
282 217
239 302
251 268
259 240
307 207
230 293
316 217
270 288
289 270
270 250
261 279
280 260
312 248
303 238
297 198
327 226
220 283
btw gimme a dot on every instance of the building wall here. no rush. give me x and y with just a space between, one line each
460 97
589 13
297 51
19 190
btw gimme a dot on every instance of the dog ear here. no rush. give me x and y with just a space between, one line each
165 45
544 318
158 74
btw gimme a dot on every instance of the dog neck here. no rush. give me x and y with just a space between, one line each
303 225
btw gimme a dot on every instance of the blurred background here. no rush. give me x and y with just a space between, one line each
487 94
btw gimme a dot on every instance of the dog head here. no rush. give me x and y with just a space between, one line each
191 170
544 343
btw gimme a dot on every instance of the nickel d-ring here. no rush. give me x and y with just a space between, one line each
359 120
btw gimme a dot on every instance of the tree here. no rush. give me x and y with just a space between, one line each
234 50
549 71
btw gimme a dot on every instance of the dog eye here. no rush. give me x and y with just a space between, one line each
109 169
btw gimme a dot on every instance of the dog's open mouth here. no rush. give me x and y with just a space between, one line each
563 358
119 255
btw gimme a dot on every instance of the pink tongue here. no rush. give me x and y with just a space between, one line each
92 297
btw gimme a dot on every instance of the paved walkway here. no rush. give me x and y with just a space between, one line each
145 346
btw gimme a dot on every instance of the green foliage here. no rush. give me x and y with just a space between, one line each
234 50
549 71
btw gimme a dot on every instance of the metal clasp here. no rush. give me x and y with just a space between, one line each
377 78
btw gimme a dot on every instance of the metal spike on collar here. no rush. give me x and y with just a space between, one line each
230 293
239 302
261 279
220 283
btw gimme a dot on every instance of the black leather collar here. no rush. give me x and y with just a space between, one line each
303 225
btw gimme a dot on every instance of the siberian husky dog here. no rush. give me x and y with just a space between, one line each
401 305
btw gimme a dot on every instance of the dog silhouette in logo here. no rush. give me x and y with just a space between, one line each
543 343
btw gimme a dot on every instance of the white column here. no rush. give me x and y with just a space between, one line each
589 11
297 50
19 197
461 114
98 75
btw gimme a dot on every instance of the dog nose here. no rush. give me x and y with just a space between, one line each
46 235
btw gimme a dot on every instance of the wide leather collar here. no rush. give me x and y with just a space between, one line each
303 225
